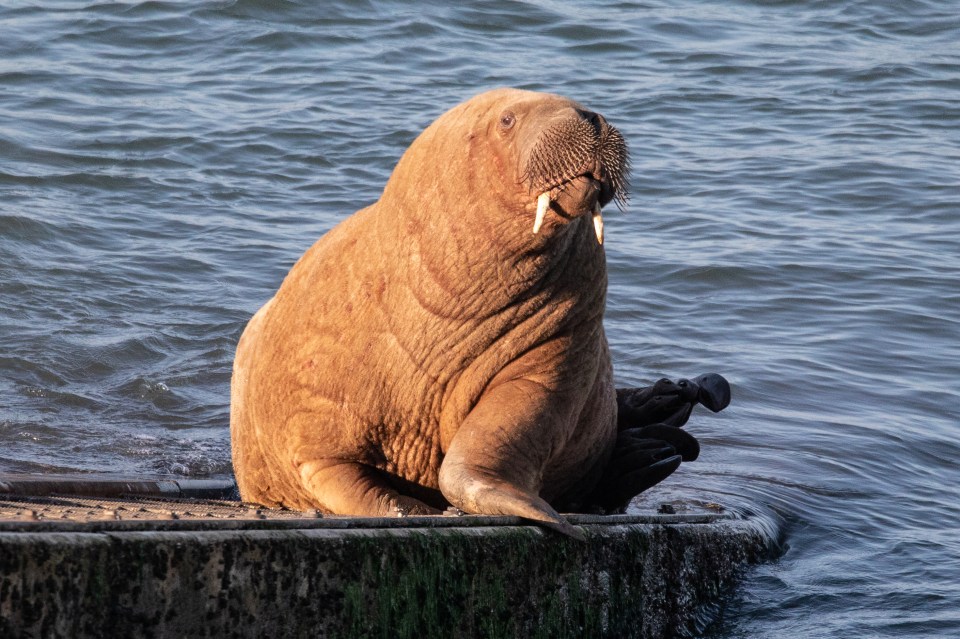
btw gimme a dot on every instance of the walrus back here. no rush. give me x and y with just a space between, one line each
319 372
250 465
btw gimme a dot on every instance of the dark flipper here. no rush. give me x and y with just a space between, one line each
685 444
670 403
714 391
638 462
650 445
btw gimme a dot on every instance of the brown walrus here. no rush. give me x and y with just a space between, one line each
445 346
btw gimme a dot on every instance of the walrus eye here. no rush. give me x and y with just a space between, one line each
507 120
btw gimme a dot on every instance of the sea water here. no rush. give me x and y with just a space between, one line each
794 224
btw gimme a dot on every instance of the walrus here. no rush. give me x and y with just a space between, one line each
444 346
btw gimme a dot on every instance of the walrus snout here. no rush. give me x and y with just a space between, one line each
578 156
575 143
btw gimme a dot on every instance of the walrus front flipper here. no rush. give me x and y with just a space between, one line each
347 488
474 491
668 402
493 464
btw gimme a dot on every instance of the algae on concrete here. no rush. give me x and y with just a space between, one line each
467 580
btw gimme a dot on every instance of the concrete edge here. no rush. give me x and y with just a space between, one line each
340 523
629 578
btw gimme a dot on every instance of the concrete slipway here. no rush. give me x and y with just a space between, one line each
82 557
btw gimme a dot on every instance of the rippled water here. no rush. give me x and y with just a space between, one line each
794 224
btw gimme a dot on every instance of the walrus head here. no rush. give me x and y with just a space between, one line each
512 153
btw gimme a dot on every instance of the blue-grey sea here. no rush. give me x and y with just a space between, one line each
794 224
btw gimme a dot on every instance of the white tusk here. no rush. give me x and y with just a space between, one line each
598 222
543 203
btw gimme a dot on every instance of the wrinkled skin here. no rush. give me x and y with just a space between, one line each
431 350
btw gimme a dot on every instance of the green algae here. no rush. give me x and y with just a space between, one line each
507 581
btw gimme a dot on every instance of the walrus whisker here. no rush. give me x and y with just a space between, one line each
574 148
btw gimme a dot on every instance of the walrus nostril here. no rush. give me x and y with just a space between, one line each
594 119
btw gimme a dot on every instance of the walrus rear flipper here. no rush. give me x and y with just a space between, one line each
714 391
670 403
642 458
650 445
493 464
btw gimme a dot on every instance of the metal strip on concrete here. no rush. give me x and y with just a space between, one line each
93 485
